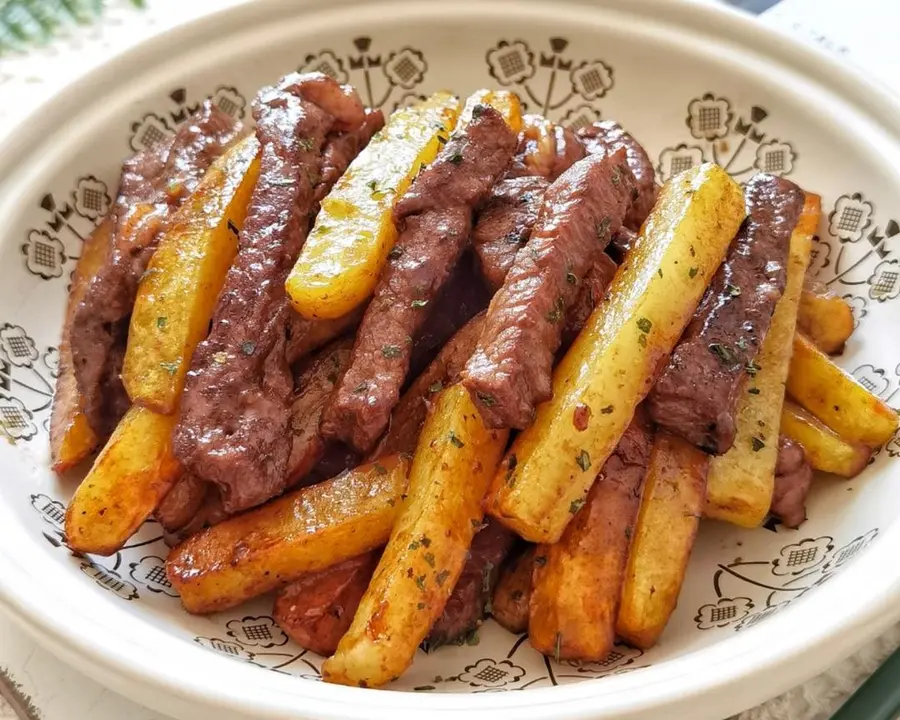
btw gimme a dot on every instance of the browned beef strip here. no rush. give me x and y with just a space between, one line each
621 244
470 600
434 219
153 184
545 149
509 372
235 411
793 478
696 394
316 610
593 288
609 135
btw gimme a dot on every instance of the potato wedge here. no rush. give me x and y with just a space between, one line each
825 317
301 532
825 449
742 480
578 581
504 102
835 397
180 289
131 475
611 366
671 508
512 598
71 437
343 256
454 460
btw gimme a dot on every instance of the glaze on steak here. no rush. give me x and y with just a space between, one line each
236 407
793 477
592 290
609 135
434 220
153 185
696 395
509 373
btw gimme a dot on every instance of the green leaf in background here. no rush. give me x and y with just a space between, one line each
25 23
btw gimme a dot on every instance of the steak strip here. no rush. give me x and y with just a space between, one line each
610 136
509 373
793 478
434 219
696 395
153 185
234 426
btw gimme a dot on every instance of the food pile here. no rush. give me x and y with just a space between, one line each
410 371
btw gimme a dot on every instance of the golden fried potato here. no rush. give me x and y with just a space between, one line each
835 397
131 475
825 449
578 581
741 481
454 460
825 317
180 289
504 102
671 508
301 532
611 366
512 598
347 248
71 437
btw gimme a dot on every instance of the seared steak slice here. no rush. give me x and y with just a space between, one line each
591 292
236 407
696 394
509 373
153 184
545 149
434 219
793 477
609 135
470 601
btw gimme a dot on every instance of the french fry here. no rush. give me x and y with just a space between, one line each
825 318
71 437
611 366
835 397
741 481
671 507
131 475
454 460
578 581
512 598
825 449
302 532
180 289
343 256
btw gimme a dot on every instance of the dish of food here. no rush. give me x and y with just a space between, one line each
437 392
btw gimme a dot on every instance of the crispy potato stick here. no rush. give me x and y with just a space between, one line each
180 289
611 366
302 532
741 481
131 475
825 449
71 437
671 507
512 597
835 397
455 458
578 581
825 318
343 256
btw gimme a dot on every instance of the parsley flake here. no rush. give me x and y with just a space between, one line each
161 322
584 460
644 324
170 367
692 273
571 279
732 290
456 158
756 444
395 252
603 229
441 577
436 386
576 505
420 582
607 410
455 441
391 352
418 303
753 391
362 387
429 558
752 368
725 355
486 399
248 347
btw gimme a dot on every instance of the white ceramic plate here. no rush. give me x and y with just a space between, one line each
760 610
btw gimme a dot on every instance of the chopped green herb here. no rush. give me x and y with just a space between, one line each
644 324
395 252
372 185
436 386
559 309
425 540
756 444
441 577
753 391
248 347
642 340
478 111
420 582
486 399
456 158
571 279
161 322
692 273
603 229
391 352
741 343
414 545
659 272
583 460
692 251
170 367
306 144
379 469
472 638
420 606
576 505
362 387
752 368
455 441
429 558
725 355
732 290
391 502
418 303
607 410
